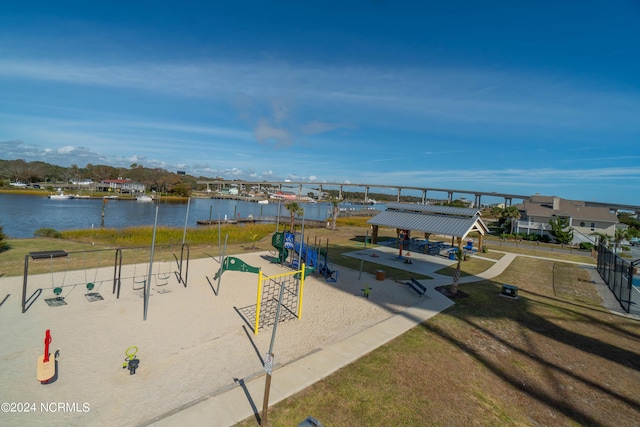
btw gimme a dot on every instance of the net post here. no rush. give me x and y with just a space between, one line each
24 283
301 291
258 301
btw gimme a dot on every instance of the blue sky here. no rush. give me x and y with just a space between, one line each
520 97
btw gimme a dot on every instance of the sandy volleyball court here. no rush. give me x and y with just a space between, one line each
192 345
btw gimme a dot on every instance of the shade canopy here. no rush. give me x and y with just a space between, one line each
443 220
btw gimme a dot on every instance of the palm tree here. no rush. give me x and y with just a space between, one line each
620 235
509 215
602 238
294 209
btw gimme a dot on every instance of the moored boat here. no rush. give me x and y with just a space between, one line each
144 198
60 196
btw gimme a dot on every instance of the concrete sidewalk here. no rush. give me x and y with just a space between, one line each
245 400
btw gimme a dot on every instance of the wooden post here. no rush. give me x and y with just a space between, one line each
265 401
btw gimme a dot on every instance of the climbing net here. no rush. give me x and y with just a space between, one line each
268 294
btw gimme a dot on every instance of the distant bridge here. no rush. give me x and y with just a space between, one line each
477 195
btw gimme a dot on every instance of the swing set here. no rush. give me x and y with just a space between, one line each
92 285
162 270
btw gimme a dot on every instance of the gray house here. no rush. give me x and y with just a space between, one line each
536 213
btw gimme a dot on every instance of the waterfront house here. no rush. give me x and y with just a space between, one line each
122 186
536 213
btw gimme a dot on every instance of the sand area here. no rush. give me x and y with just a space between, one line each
193 343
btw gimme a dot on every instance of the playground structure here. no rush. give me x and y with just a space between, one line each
291 286
131 361
316 259
278 242
46 366
91 270
235 264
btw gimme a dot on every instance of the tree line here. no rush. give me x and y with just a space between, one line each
154 179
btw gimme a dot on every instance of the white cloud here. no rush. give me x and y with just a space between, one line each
265 133
66 150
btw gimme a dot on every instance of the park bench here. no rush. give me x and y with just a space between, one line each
416 286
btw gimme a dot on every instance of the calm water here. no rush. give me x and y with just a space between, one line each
21 216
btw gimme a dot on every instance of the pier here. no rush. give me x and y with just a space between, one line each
262 220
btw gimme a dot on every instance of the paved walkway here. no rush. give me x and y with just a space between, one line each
245 400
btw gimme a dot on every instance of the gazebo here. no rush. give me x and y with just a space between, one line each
430 219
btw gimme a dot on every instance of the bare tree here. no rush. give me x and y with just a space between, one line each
456 274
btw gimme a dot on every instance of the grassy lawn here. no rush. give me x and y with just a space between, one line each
490 255
470 267
543 250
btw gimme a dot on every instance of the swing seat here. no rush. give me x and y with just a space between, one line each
142 284
162 280
90 286
58 300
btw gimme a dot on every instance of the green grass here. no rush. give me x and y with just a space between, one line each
470 267
543 249
96 248
142 236
490 254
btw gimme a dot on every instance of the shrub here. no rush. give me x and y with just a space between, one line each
545 238
47 232
586 245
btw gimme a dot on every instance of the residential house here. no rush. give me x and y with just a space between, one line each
122 186
536 213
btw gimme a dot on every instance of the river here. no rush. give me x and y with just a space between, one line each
22 215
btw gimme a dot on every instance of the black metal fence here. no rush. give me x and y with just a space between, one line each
618 274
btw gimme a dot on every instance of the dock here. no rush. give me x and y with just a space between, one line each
262 220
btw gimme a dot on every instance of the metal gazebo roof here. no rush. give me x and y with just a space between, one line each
444 220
